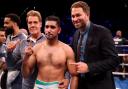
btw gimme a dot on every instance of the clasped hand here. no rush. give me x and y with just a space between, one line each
81 67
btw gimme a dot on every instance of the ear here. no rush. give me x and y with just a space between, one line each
59 30
14 24
40 24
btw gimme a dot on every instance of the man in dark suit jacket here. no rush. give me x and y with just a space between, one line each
96 57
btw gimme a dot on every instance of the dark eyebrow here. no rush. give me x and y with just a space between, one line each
51 26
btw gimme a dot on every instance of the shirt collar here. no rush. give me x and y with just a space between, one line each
31 39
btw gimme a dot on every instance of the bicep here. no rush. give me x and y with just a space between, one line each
70 61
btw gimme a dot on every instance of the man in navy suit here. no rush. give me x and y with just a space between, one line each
95 54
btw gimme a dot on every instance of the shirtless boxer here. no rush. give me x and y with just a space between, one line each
52 58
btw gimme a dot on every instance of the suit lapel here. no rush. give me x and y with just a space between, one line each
75 43
90 38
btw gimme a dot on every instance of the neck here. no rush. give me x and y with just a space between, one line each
85 27
82 29
52 42
16 31
36 36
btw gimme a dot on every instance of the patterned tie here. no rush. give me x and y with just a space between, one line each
79 46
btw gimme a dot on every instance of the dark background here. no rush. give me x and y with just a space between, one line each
110 13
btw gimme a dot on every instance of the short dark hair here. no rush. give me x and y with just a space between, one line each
53 18
14 18
83 5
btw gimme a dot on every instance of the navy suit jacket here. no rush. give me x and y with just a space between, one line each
101 57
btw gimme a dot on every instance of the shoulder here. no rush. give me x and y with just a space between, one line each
100 28
66 47
22 36
38 46
99 31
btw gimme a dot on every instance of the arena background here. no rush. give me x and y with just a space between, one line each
110 13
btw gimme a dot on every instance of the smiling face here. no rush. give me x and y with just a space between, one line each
34 25
79 18
8 23
52 30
